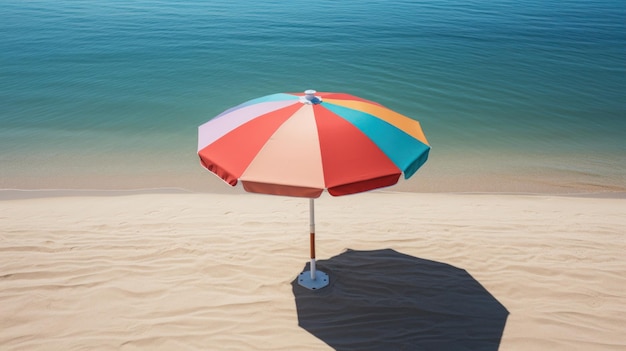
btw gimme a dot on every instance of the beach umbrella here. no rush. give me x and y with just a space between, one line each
301 144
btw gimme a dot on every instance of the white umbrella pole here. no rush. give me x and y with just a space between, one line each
314 279
312 236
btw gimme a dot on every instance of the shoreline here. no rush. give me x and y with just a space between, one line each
446 171
21 194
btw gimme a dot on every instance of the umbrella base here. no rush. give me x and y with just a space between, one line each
321 280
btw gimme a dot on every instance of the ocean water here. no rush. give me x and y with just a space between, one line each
514 96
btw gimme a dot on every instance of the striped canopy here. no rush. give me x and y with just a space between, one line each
300 144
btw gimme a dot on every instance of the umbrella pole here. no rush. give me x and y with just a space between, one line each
313 279
312 236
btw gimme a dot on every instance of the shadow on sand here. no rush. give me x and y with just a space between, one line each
386 300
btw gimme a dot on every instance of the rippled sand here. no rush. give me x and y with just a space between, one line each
217 272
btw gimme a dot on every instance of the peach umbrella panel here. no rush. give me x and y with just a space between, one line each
300 144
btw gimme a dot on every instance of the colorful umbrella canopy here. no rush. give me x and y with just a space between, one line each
298 144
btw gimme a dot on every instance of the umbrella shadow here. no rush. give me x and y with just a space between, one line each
386 300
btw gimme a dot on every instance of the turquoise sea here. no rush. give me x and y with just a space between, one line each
514 96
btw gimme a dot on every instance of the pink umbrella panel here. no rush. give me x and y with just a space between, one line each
298 144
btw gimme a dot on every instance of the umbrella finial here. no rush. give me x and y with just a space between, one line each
309 98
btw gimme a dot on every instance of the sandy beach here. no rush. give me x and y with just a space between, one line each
408 271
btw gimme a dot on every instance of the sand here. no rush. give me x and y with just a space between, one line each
409 271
